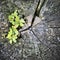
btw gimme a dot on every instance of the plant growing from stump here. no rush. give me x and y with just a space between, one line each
16 22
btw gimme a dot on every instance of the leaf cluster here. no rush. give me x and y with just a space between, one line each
16 22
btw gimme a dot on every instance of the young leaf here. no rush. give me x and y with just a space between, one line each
10 17
14 40
21 24
22 21
15 13
10 41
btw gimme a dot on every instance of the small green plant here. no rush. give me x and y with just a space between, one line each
16 22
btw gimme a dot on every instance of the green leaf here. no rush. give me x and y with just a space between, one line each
17 18
14 41
10 41
21 24
10 30
8 36
16 32
10 17
15 13
16 25
22 21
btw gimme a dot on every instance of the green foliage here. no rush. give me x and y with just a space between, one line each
16 22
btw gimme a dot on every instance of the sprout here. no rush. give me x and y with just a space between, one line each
16 22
